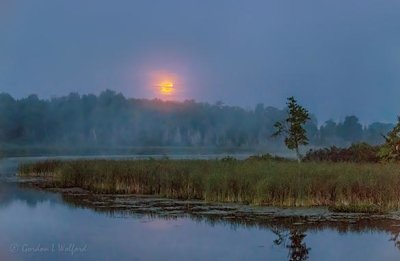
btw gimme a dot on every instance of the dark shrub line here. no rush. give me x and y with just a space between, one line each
360 152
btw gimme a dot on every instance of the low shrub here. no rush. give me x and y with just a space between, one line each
359 152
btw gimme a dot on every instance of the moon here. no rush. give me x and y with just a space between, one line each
166 87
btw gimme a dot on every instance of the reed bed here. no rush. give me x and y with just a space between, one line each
365 187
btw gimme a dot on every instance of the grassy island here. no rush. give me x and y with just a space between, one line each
365 187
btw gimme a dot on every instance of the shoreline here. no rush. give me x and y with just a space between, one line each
168 207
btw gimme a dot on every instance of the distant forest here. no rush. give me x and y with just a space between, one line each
110 119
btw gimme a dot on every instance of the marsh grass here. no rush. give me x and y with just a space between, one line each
341 186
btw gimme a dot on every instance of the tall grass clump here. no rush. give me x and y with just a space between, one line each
260 181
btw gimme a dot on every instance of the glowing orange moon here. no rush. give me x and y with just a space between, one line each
166 87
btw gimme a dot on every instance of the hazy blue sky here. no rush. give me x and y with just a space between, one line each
337 57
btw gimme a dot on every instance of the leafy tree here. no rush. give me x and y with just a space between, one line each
328 132
373 134
293 126
311 128
10 126
390 151
351 130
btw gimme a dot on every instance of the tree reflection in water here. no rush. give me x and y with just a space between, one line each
294 241
395 238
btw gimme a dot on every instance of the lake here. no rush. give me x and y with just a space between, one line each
38 225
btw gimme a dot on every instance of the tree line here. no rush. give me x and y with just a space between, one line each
110 119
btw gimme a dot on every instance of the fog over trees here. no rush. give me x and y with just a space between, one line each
110 119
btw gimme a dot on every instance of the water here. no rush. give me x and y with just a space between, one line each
37 225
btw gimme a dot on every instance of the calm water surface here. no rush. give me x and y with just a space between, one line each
36 225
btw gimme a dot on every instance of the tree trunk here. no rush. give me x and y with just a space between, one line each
298 155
